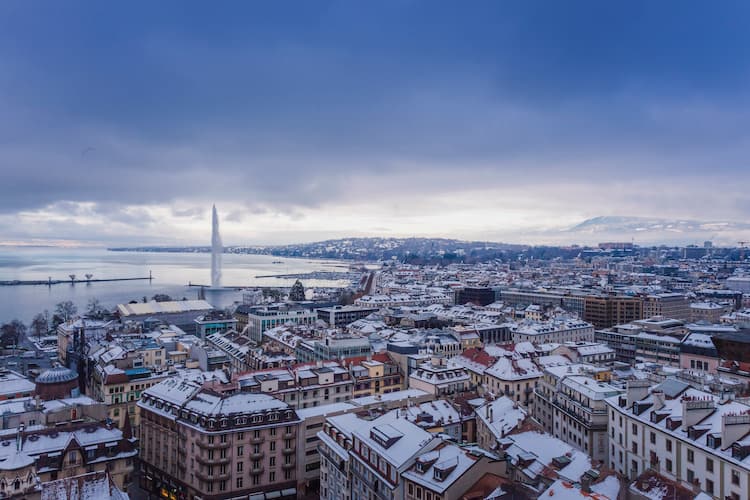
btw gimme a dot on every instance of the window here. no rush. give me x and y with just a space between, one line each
634 447
709 465
669 445
690 475
652 438
709 486
690 456
669 464
735 477
272 476
635 430
240 451
239 482
272 462
239 466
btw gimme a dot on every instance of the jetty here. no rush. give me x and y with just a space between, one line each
70 281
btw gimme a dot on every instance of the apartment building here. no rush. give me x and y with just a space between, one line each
440 377
689 436
235 346
668 305
197 443
554 331
605 311
446 472
515 378
302 386
343 315
570 404
71 449
258 319
587 352
120 391
496 419
378 374
382 450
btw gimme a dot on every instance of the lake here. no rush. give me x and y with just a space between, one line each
171 274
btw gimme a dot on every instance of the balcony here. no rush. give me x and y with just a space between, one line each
288 435
257 470
256 456
288 466
216 477
212 446
288 451
211 461
257 440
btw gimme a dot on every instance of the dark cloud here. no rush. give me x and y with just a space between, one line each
304 105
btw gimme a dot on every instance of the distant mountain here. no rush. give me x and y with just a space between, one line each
651 230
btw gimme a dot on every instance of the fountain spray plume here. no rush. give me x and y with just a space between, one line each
216 249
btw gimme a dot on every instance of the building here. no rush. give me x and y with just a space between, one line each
343 315
515 378
480 296
688 436
569 403
214 322
181 313
378 374
196 443
606 311
668 305
235 346
439 377
594 353
446 472
71 449
332 346
301 386
698 353
309 458
710 312
258 319
382 450
554 331
14 385
120 390
496 419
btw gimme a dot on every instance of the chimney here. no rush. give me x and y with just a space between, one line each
636 390
586 483
733 427
658 396
696 409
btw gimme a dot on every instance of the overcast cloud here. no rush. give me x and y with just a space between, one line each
122 123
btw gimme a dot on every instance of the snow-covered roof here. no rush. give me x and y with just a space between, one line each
501 416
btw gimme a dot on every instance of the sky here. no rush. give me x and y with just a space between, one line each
122 123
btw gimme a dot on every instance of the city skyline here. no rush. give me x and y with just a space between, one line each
512 122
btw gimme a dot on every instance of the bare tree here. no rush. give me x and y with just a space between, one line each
64 311
39 325
11 333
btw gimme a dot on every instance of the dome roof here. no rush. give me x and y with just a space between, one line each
56 375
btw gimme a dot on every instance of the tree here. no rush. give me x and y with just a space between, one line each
297 293
64 311
11 333
94 308
39 325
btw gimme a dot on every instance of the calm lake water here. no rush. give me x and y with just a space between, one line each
171 272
